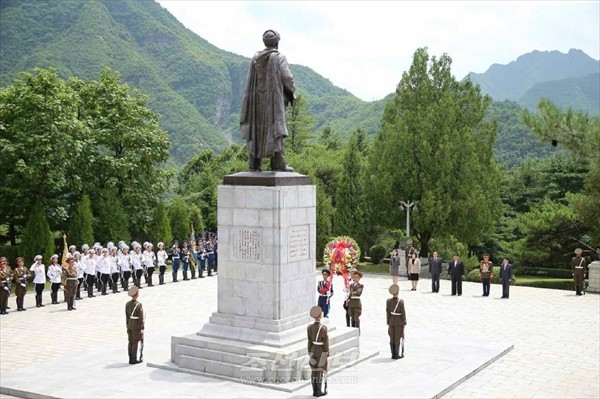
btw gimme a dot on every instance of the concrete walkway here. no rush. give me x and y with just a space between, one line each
556 338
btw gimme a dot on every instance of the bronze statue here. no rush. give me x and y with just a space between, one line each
269 89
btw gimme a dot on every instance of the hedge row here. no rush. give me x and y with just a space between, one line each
543 272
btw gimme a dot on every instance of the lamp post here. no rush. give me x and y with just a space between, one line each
407 205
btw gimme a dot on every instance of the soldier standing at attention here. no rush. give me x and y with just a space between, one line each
318 350
354 304
161 257
396 320
39 279
486 273
134 318
5 277
21 274
55 274
71 283
578 265
325 290
175 258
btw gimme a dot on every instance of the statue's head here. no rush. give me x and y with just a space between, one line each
271 38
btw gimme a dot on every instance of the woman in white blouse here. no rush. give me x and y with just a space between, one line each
39 279
54 274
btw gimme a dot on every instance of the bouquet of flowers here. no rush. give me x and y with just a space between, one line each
341 254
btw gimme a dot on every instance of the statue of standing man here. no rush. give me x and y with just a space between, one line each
269 89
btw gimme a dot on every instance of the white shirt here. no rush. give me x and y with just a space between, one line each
40 273
136 260
90 266
162 257
55 273
123 262
104 264
148 257
80 267
113 264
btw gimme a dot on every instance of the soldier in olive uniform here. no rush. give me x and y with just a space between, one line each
318 350
21 274
5 277
134 317
486 273
396 320
578 265
354 304
71 283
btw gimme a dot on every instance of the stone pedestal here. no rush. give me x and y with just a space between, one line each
266 286
594 277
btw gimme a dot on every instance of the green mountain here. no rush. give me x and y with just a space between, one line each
194 86
581 93
513 80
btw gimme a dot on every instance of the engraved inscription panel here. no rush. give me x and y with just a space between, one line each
298 242
247 245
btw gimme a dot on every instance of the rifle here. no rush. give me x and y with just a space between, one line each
142 347
193 247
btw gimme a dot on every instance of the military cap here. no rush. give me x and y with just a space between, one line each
175 241
578 251
394 289
72 247
160 244
326 271
110 244
19 259
358 273
70 259
132 291
54 256
84 247
3 260
315 311
38 257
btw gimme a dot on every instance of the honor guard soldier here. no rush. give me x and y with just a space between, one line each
71 283
134 317
39 279
114 269
85 250
578 265
5 277
325 290
396 320
90 272
135 259
175 258
185 259
149 259
354 304
20 276
104 266
80 266
124 266
161 258
318 351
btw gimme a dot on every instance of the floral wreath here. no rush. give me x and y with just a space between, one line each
341 254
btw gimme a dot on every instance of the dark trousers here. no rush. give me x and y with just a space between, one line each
486 286
161 274
186 265
505 288
175 268
138 277
126 277
324 304
39 288
150 272
79 283
456 285
105 281
4 294
98 281
91 279
20 292
435 282
132 344
54 294
115 282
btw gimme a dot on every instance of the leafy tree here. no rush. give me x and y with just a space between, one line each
351 210
180 219
196 219
80 230
160 229
112 223
37 237
436 149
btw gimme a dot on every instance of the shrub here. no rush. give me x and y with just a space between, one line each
11 253
566 284
377 253
473 275
543 272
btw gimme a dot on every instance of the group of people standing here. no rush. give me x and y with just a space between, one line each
105 268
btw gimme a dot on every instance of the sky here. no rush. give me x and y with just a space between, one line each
364 47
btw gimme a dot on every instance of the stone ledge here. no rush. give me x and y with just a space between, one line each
269 179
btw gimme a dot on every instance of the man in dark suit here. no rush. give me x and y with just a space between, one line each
435 269
506 275
456 269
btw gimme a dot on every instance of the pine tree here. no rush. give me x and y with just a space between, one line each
324 219
197 220
37 237
112 223
80 230
160 228
180 220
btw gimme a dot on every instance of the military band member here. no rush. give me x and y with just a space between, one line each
39 279
175 258
125 266
161 258
486 273
114 269
55 276
318 350
185 259
135 259
396 320
71 283
149 259
5 278
80 267
104 266
578 265
91 264
134 319
20 276
325 290
354 304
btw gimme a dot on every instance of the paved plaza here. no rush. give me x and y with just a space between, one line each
539 343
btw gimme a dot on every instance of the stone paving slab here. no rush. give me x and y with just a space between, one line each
555 335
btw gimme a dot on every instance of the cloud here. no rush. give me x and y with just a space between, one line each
365 46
